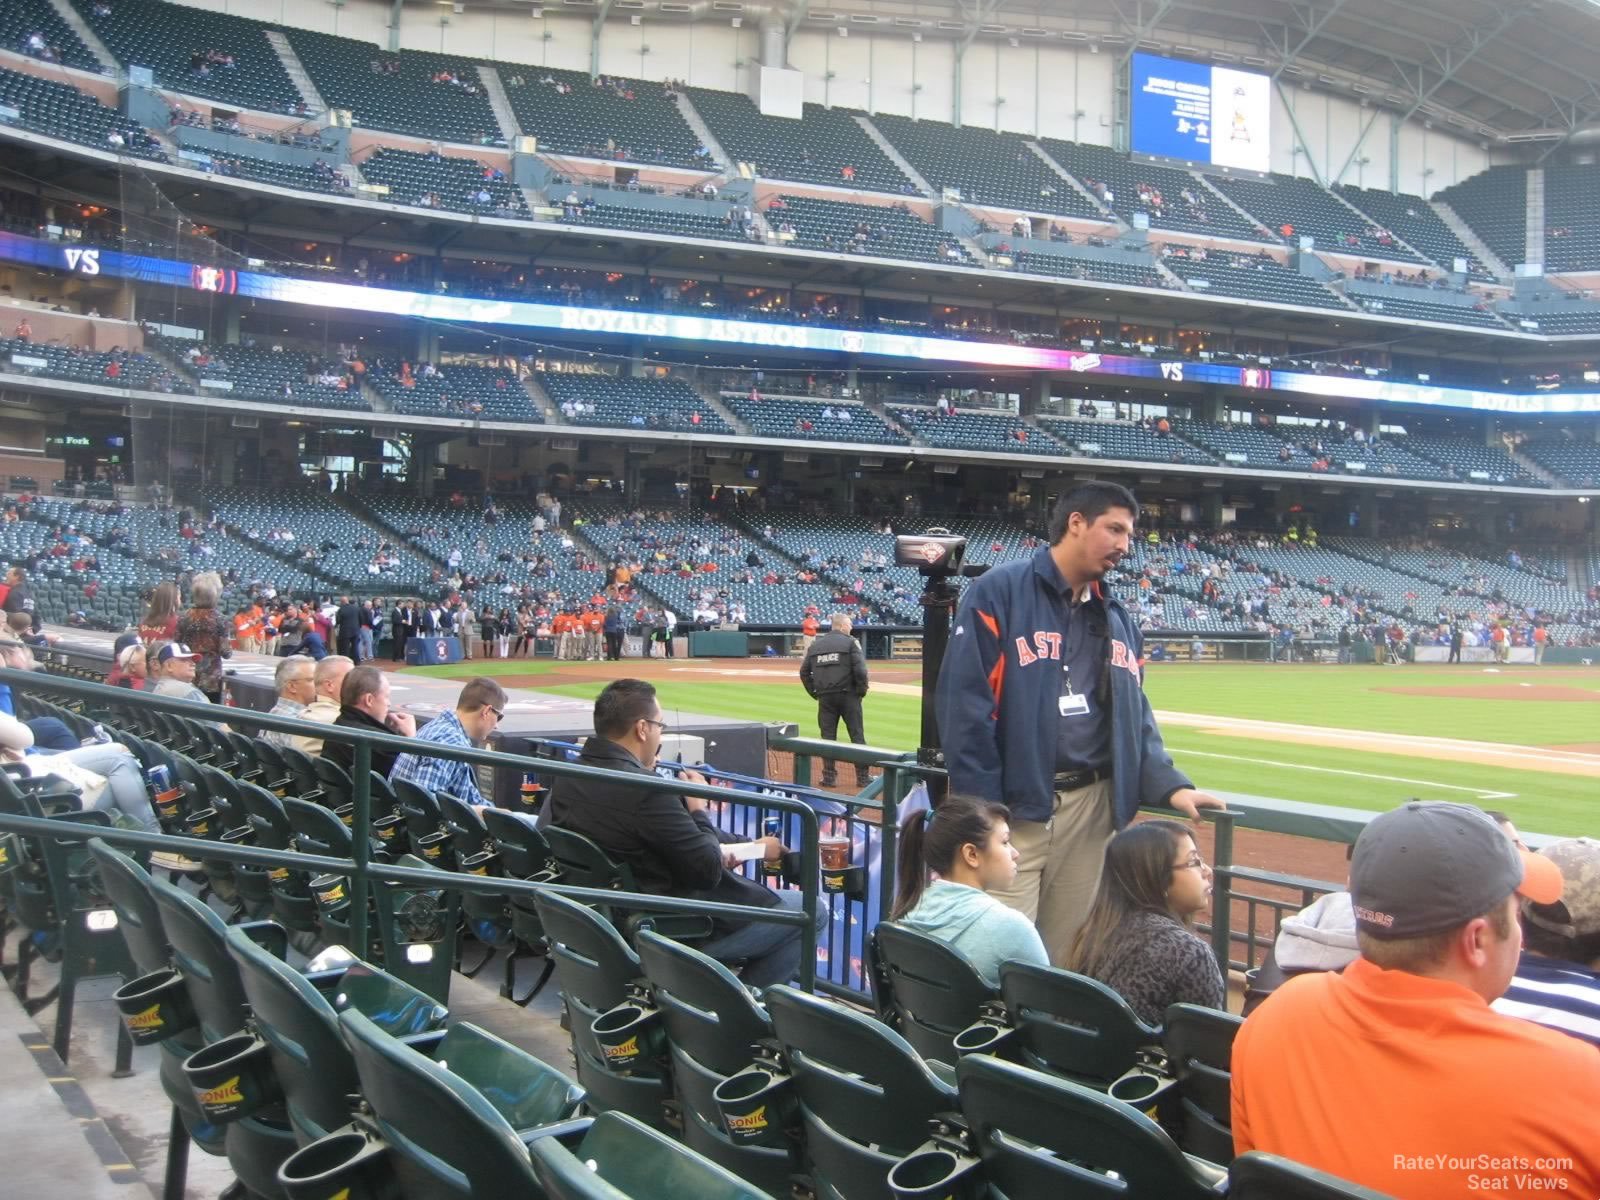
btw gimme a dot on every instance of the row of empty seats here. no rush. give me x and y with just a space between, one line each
62 111
434 180
624 402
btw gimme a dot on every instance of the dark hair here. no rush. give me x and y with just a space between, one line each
481 693
624 703
1134 878
1091 499
362 681
931 842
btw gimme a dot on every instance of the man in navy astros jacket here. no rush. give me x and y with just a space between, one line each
1040 707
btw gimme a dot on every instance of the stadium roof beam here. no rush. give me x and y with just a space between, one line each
1310 35
600 14
1450 61
1140 28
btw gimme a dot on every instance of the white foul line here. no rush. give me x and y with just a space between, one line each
1267 762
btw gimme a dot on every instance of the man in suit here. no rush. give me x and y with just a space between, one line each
347 627
404 623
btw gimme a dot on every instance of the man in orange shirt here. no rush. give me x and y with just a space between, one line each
808 632
1541 636
564 625
1396 1074
594 624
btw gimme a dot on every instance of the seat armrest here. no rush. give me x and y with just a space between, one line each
569 1133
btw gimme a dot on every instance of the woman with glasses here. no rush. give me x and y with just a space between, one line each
1139 938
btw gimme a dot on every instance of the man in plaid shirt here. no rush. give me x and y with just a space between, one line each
478 712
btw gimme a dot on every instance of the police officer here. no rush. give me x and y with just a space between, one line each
834 672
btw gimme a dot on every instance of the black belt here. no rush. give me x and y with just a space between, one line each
1071 781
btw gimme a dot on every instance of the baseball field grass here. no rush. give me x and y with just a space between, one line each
1525 740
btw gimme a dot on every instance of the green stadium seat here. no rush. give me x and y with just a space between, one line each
1258 1176
712 1022
621 1159
1041 1137
923 989
866 1096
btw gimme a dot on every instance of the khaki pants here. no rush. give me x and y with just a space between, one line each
1058 865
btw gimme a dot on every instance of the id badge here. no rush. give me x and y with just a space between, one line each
1072 704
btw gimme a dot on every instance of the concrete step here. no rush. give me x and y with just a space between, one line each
297 72
87 35
1470 239
1067 177
702 131
541 401
510 127
1200 178
1534 225
898 159
716 404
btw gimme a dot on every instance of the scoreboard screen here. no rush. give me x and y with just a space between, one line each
1214 116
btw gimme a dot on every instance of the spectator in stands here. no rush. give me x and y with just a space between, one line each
1139 937
327 682
19 598
480 708
966 844
130 670
175 667
293 680
207 633
1402 1045
668 841
364 705
1556 983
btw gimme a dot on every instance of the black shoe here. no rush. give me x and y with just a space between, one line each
829 781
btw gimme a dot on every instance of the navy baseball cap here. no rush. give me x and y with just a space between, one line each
1429 866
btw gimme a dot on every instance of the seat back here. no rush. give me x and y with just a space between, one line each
419 807
317 830
334 781
199 950
449 1142
1258 1176
1072 1025
1045 1138
712 1022
925 989
621 1159
264 813
583 863
865 1094
523 849
467 833
127 886
709 1015
1199 1044
593 969
299 1020
302 770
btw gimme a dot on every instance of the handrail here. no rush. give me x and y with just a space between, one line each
364 742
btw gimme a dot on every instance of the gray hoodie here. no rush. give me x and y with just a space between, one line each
1321 937
978 926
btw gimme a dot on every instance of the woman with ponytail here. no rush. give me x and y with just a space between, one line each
965 844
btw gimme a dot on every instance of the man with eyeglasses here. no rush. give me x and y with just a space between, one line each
479 710
668 841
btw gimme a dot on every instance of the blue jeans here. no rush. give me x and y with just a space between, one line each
364 644
52 733
124 791
770 953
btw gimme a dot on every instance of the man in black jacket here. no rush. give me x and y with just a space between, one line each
668 841
347 627
364 704
834 672
402 624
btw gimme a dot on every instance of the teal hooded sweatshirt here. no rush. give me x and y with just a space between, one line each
978 926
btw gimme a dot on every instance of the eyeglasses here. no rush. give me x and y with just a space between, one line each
499 713
1192 863
661 725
